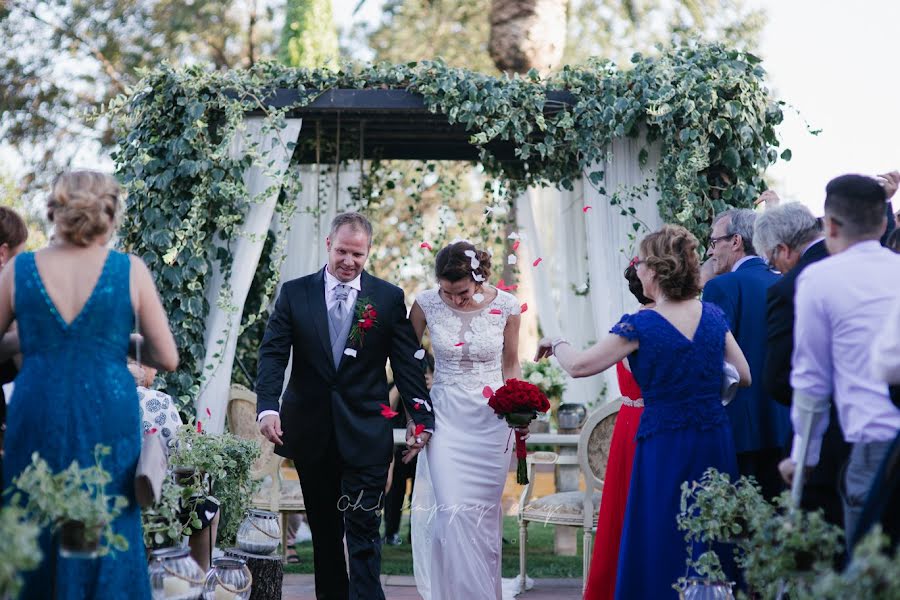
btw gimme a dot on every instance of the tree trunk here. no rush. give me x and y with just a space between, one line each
527 34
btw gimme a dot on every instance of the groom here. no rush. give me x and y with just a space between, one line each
342 325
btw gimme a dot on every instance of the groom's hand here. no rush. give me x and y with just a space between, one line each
270 427
415 443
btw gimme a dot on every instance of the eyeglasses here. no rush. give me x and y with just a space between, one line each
716 240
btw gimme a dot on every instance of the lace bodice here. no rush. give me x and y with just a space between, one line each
681 379
468 346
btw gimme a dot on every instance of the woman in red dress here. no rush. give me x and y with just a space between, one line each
601 584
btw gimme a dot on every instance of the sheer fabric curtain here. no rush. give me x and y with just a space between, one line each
226 297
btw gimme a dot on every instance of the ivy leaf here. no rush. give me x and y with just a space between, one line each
731 158
786 155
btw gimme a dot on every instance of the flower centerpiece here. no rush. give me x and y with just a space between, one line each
518 402
551 380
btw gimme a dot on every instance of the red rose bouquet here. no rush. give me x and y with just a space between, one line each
519 402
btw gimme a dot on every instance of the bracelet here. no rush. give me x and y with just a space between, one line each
556 343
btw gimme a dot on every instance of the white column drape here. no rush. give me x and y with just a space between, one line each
611 238
224 319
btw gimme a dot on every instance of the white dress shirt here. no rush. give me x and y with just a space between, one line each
331 282
741 261
886 354
840 306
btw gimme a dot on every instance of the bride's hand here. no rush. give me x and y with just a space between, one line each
545 349
415 443
523 431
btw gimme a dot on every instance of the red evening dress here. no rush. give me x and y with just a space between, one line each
601 584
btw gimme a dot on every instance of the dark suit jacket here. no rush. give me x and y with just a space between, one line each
780 326
757 421
321 401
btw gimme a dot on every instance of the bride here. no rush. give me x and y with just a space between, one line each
456 510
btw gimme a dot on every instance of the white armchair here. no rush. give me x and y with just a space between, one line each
578 508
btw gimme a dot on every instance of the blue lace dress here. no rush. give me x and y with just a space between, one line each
684 430
74 391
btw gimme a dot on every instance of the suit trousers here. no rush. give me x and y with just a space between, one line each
343 500
865 460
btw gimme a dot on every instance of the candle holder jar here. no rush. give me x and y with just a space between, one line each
174 575
229 579
697 588
259 532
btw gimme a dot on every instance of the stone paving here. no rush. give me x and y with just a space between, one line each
396 587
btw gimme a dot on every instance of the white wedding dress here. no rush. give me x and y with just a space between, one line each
456 511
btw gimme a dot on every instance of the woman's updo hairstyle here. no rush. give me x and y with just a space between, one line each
453 264
635 286
671 252
84 205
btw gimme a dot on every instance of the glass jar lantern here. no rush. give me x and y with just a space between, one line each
174 575
229 579
259 532
697 588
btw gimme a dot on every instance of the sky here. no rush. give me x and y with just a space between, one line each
838 63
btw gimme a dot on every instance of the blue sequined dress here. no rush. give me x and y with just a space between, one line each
75 391
684 430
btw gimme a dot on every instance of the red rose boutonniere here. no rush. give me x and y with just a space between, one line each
366 320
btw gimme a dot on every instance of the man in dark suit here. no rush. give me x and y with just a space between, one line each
760 425
334 422
790 237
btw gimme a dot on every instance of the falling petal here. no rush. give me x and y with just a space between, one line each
350 352
512 259
516 245
199 427
496 311
479 298
513 236
477 277
501 285
387 412
458 344
487 392
524 307
474 263
153 430
537 262
425 245
423 403
419 429
470 253
420 354
416 406
586 208
208 414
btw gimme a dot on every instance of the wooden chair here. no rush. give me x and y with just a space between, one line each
578 508
278 495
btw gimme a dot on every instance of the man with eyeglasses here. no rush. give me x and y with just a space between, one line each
760 425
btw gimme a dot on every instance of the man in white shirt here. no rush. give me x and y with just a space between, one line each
841 305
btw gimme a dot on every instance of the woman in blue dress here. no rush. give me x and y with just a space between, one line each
75 302
676 352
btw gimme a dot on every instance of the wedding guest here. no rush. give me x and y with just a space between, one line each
893 241
760 424
707 272
676 352
400 472
790 238
13 234
601 580
76 302
841 306
890 182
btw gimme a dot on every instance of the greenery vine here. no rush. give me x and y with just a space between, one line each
706 106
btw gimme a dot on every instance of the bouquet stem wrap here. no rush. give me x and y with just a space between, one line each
518 402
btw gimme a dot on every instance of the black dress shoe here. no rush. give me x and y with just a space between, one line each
393 540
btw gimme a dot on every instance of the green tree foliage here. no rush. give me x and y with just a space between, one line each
308 38
11 197
61 60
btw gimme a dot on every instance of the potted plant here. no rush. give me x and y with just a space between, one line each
789 550
73 502
18 547
717 514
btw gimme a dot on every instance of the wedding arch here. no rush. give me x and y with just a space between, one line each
217 163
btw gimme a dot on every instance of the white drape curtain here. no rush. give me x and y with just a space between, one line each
223 321
579 289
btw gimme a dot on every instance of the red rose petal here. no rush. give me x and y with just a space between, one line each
153 430
458 344
496 311
208 414
537 262
199 427
425 245
487 392
419 429
586 208
501 285
416 405
524 307
387 412
516 246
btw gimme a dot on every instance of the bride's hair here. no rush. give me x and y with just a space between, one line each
453 264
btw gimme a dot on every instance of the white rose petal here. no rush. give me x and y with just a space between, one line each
475 264
512 259
477 276
420 354
478 298
470 253
350 352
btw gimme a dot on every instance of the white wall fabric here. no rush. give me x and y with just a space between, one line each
589 248
224 319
